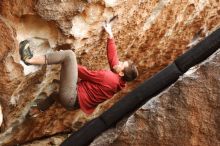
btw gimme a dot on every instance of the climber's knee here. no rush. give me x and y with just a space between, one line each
68 101
69 54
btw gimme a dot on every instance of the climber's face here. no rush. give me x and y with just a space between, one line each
120 67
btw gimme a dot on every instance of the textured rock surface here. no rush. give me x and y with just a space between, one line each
187 113
152 33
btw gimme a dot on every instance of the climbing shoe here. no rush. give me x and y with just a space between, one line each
24 51
45 102
35 109
41 104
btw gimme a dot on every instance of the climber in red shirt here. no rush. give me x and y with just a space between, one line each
93 88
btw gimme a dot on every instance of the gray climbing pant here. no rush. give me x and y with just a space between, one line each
68 76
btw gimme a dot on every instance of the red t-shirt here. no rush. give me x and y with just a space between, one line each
97 86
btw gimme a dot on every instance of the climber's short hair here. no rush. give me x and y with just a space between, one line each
130 72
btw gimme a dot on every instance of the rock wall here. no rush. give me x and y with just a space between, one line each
151 33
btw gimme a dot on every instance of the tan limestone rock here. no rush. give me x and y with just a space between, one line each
151 33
